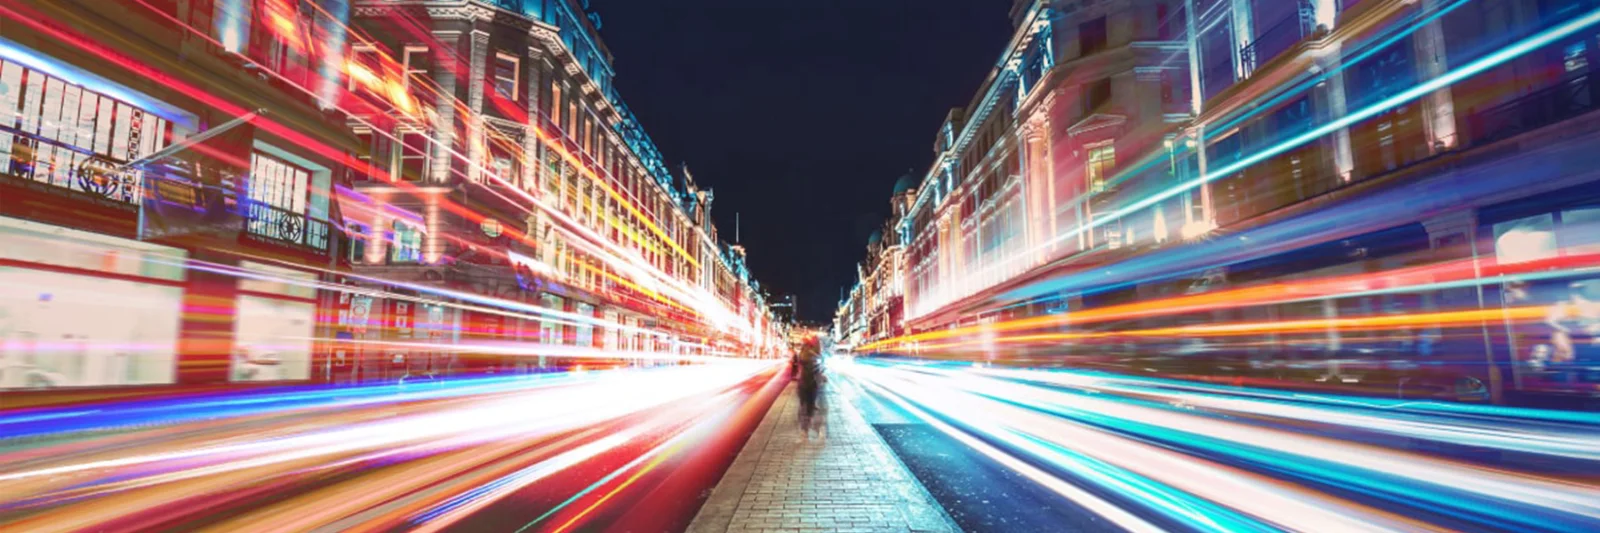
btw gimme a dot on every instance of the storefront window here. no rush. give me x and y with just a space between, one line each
585 330
272 339
1527 239
549 330
1579 232
61 329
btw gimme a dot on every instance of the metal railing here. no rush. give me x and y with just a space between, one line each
1282 35
1565 99
266 221
66 167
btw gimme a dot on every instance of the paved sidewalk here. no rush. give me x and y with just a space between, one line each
852 483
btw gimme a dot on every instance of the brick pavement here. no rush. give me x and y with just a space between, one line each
852 482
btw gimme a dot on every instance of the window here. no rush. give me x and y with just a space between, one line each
407 243
1096 94
571 125
505 76
60 122
278 192
372 151
278 183
417 62
555 103
502 162
416 65
1101 162
414 155
356 237
1091 36
285 39
1216 57
366 69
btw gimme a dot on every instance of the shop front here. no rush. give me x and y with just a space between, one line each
1554 241
79 309
274 327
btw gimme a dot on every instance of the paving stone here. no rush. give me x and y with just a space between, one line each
850 482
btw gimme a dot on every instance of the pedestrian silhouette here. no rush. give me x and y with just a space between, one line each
809 380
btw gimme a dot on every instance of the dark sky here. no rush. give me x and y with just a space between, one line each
800 115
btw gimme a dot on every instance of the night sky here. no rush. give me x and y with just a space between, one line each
800 115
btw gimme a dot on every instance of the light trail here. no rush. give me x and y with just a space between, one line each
1443 275
1294 464
450 440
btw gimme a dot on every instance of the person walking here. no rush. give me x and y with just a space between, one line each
808 388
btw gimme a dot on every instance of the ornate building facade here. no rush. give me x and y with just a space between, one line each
1169 148
505 165
165 202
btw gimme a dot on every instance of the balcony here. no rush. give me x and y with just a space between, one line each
286 227
1566 99
1280 37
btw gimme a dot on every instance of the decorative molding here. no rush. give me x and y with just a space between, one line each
508 127
469 12
1094 122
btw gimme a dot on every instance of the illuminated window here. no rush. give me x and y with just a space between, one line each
47 125
572 116
278 183
555 103
1575 57
506 76
407 243
1102 159
356 236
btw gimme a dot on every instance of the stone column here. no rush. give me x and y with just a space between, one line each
532 149
476 141
1039 195
444 124
1438 108
1328 99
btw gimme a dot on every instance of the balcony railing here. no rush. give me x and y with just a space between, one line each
42 160
1274 41
284 226
1566 99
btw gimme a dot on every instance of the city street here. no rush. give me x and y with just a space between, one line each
720 266
962 447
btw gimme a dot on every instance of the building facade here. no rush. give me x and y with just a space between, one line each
506 166
874 309
1170 149
166 207
324 190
